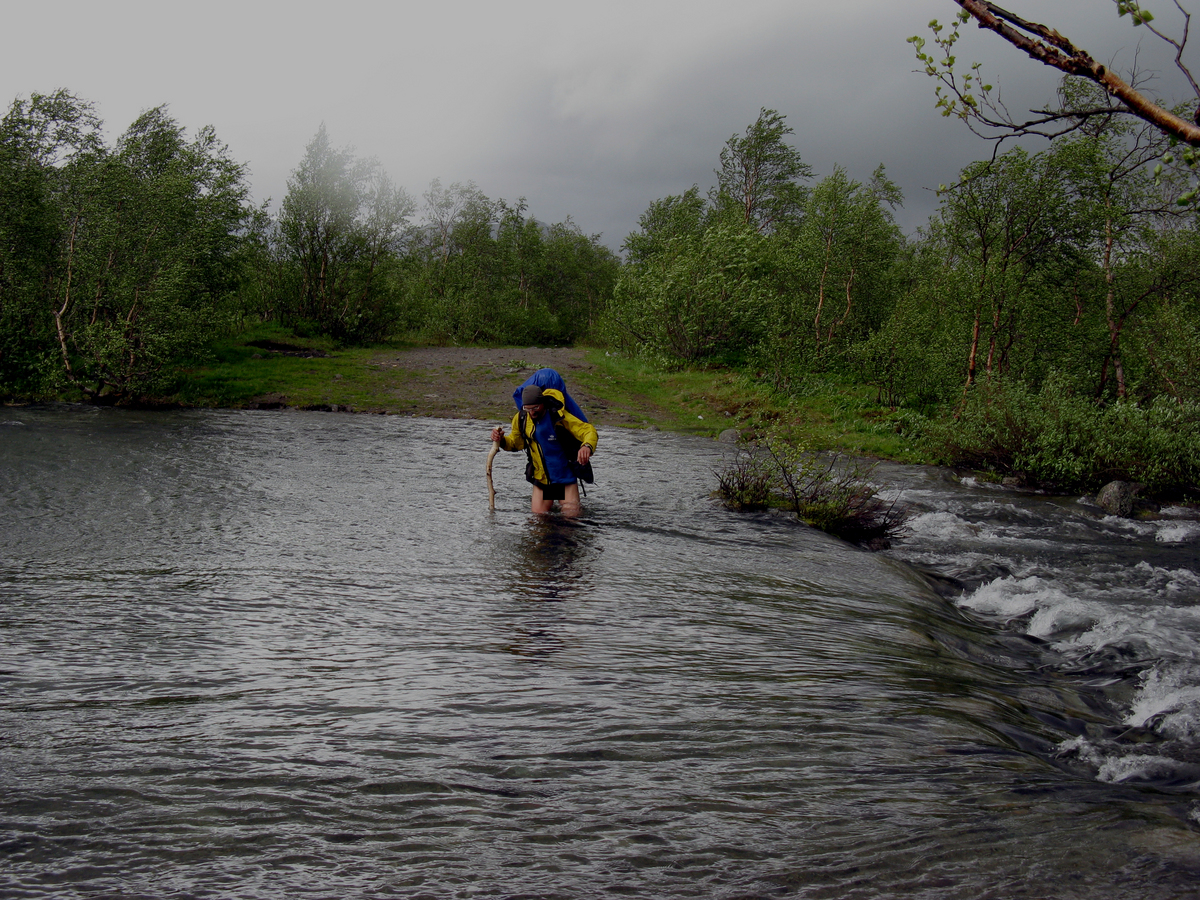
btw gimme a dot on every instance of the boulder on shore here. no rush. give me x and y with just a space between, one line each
1116 498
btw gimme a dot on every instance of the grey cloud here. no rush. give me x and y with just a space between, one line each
590 111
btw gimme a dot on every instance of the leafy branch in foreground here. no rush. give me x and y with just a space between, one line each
966 96
828 491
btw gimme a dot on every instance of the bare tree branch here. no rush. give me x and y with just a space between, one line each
1051 48
1179 46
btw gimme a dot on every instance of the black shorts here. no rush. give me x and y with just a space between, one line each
554 491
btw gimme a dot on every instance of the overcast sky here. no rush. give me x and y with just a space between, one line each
590 110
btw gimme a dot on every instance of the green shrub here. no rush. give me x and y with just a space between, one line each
1057 439
830 492
744 483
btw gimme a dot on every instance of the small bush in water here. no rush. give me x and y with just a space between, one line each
830 492
744 483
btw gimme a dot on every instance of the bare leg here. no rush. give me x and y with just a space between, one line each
538 504
570 505
570 501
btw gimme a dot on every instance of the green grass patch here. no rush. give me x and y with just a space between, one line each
269 360
683 401
831 414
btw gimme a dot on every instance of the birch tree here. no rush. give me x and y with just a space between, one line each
341 222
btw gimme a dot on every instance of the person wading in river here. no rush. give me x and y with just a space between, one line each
559 446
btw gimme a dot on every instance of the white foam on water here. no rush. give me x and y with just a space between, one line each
1007 506
1177 532
1137 767
1170 634
1169 701
1013 597
1130 528
941 526
1058 614
1116 599
1170 583
1082 749
1081 619
1121 768
937 530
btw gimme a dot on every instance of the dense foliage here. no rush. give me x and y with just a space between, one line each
119 265
114 262
1045 324
1046 319
346 258
1054 437
481 270
766 269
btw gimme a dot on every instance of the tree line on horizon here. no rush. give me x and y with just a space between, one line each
1053 295
118 264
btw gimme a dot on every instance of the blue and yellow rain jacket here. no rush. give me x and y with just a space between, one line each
551 442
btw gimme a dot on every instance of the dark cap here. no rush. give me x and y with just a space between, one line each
531 395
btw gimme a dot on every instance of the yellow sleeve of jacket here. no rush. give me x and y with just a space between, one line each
514 440
584 431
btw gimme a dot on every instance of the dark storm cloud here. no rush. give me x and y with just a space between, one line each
595 147
589 110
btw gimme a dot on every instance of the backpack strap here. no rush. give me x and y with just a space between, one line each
529 469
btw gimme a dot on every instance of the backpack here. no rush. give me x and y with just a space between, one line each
549 378
567 440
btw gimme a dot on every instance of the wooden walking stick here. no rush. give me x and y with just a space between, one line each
491 487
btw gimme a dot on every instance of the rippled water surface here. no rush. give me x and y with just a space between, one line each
286 654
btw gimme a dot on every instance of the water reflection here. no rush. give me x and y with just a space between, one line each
552 560
534 642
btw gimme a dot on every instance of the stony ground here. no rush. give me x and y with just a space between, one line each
477 382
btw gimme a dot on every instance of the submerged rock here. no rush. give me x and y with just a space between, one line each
268 401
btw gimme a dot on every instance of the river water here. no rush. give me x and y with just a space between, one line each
287 654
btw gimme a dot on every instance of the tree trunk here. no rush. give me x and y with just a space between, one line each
821 285
1114 322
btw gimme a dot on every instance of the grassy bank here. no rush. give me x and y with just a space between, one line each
270 361
272 364
831 416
